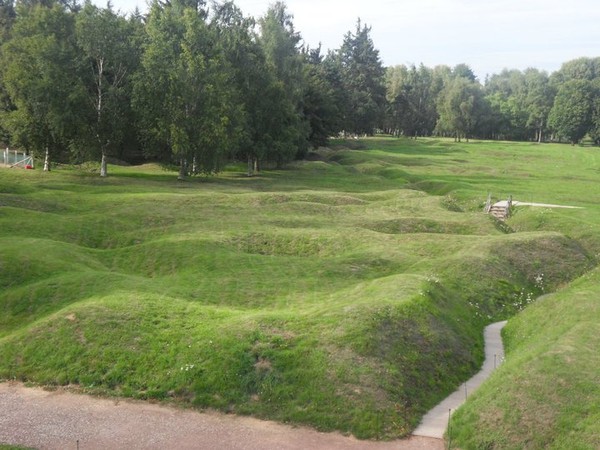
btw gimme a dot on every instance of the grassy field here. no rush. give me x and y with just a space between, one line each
347 293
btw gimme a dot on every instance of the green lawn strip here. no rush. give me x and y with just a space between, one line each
14 447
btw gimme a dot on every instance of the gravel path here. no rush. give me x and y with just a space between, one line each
42 419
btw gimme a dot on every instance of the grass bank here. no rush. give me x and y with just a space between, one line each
347 293
546 394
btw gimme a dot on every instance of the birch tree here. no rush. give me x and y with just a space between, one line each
103 37
182 93
538 101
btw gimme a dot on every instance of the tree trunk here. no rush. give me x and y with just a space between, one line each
103 166
47 161
540 136
182 171
250 165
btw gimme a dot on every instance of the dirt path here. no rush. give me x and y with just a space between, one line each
37 418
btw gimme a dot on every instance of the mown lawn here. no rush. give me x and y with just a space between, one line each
347 293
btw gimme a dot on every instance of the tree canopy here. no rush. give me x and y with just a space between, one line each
197 84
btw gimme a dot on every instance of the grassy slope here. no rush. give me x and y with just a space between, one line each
547 393
328 294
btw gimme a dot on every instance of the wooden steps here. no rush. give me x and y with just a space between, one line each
500 210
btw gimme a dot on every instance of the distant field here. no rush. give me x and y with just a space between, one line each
347 293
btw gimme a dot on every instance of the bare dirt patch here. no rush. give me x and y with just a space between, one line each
42 419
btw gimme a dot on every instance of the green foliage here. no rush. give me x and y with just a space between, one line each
40 76
411 95
460 106
199 85
7 18
520 103
13 447
321 102
362 76
182 94
109 61
288 130
578 69
571 115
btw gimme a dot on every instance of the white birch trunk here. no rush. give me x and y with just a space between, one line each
103 166
47 161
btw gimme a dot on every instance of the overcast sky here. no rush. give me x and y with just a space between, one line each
488 35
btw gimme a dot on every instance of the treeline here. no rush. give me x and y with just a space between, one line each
198 86
513 105
186 84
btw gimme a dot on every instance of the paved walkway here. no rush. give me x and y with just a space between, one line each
62 420
504 204
435 422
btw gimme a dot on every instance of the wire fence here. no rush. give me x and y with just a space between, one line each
15 158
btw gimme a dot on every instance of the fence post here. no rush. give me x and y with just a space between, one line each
488 204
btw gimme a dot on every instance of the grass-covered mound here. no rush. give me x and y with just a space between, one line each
347 293
547 393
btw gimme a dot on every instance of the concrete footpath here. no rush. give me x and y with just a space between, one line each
504 203
435 422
